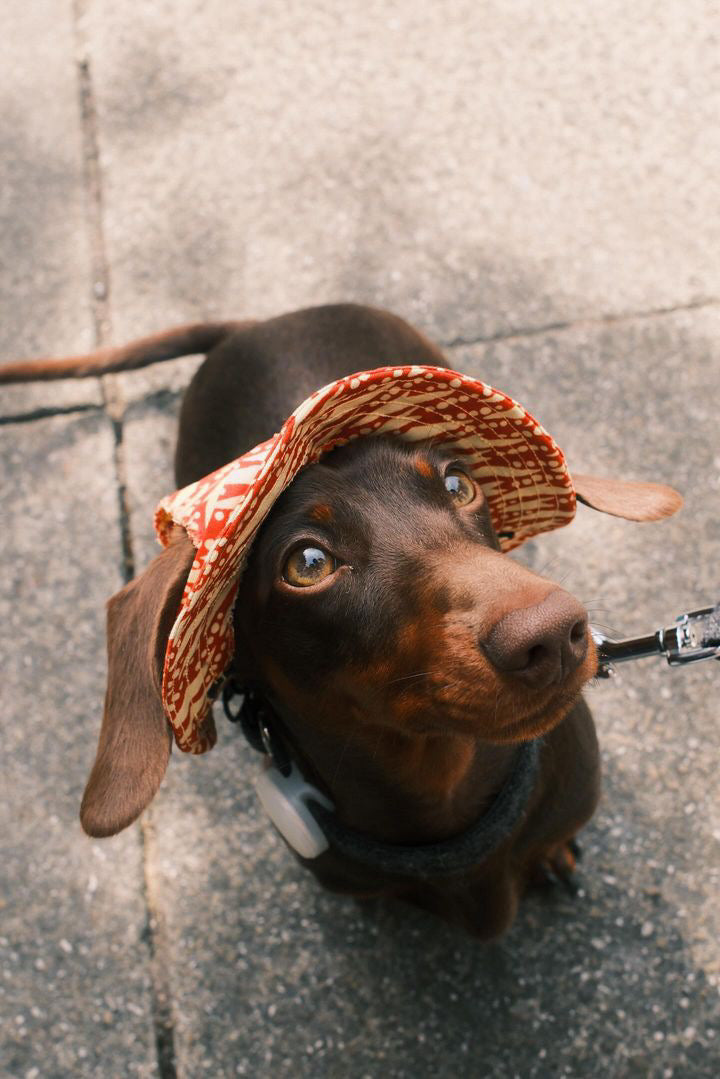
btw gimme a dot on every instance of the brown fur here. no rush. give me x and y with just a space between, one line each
407 679
423 466
322 513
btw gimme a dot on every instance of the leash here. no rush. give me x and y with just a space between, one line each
695 636
306 818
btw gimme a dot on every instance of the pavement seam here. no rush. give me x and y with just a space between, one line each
580 323
154 401
157 942
114 406
44 413
100 271
92 182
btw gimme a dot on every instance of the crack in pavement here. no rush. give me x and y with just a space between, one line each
114 407
580 323
43 413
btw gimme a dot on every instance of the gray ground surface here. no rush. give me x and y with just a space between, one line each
536 187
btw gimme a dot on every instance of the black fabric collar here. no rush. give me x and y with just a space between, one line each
445 857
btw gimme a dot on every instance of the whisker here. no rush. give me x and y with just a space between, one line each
340 759
498 694
611 629
408 677
376 746
547 565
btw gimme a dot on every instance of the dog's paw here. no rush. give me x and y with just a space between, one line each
575 849
557 868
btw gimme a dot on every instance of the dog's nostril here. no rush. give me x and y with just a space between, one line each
539 653
577 633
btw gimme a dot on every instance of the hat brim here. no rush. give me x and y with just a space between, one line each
518 465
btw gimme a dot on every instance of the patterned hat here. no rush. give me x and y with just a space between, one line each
522 473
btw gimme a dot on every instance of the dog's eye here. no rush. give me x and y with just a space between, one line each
460 486
307 566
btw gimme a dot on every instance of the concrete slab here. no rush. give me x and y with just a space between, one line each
45 278
477 168
272 976
74 997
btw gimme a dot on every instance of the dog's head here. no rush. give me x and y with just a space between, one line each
376 594
376 601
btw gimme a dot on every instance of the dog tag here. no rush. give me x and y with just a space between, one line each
285 800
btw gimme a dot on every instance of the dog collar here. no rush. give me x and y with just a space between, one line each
306 818
516 463
447 856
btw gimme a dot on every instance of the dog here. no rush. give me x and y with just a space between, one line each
426 685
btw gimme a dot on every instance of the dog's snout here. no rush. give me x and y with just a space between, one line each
540 645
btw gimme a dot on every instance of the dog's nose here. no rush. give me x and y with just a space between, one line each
540 645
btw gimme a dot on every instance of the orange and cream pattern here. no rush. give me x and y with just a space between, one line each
520 469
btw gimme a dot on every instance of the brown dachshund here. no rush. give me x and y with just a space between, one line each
434 697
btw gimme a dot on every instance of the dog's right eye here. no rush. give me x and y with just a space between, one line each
459 486
307 566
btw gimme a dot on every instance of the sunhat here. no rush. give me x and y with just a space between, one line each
520 469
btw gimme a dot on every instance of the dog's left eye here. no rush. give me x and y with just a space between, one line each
307 566
460 486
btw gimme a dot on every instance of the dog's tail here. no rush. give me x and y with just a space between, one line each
196 337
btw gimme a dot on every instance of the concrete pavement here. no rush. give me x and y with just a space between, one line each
536 188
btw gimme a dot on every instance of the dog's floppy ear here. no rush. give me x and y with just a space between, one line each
626 498
135 737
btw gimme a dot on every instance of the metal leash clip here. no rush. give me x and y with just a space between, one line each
694 636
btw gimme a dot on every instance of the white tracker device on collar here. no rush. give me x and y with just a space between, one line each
285 800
